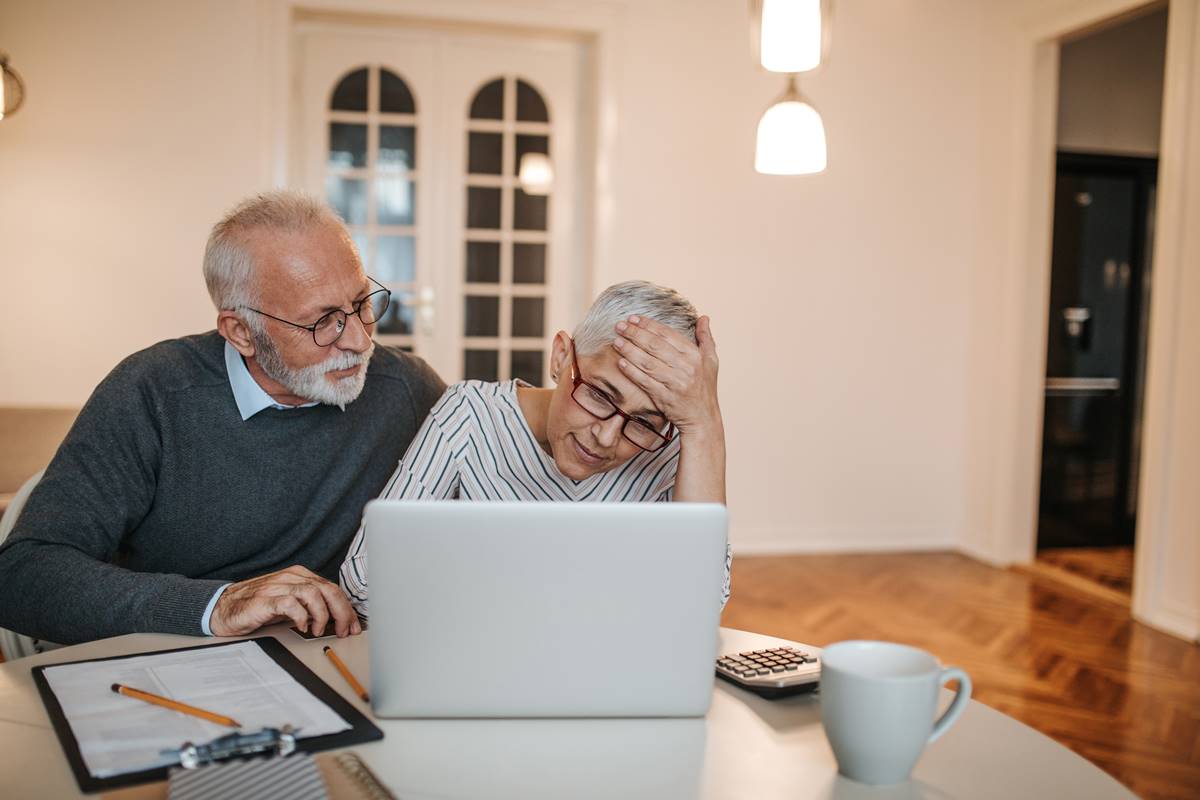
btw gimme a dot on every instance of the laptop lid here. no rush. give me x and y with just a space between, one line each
483 609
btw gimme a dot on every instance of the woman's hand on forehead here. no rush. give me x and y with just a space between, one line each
679 375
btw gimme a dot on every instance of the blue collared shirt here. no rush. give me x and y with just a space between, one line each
251 399
249 396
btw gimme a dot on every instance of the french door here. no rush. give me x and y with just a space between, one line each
417 137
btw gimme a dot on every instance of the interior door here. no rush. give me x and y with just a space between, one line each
416 136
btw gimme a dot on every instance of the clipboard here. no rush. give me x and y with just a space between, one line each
362 730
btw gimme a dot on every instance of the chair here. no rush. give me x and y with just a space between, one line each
15 645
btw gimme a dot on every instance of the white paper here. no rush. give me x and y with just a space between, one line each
118 734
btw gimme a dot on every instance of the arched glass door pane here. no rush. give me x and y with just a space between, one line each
506 234
370 180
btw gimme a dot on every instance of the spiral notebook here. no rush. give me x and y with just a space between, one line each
337 776
332 776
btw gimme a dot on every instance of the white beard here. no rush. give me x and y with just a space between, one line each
311 382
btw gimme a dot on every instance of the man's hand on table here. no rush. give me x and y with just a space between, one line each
296 595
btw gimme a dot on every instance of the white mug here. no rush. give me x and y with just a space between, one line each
878 702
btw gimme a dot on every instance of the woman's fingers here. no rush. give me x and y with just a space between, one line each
704 337
640 358
645 382
654 337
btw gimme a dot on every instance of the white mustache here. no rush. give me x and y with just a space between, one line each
346 360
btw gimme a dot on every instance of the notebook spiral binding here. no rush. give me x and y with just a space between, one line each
354 768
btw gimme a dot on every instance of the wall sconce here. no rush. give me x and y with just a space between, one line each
791 136
12 88
536 174
791 36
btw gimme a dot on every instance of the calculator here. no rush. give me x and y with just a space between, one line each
771 673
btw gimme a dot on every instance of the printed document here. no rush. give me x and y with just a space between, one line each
119 734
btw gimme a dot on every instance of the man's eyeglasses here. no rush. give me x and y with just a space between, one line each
597 403
329 328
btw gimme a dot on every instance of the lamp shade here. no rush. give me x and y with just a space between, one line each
791 138
536 173
791 35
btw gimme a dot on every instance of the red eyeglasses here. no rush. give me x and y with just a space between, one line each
596 402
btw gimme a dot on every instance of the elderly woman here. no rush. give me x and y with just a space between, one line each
633 417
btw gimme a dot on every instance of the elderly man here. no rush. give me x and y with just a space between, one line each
212 483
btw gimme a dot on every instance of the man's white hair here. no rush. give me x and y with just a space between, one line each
623 300
228 263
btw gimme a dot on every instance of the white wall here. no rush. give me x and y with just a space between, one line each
140 128
1111 88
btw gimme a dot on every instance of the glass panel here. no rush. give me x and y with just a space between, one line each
527 365
347 145
394 200
394 96
397 147
530 105
529 211
483 262
528 316
351 92
481 365
489 101
348 196
530 144
483 153
362 243
483 207
399 315
481 316
529 263
396 262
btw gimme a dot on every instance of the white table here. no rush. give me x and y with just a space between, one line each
746 747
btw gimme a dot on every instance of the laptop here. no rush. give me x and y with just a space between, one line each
484 609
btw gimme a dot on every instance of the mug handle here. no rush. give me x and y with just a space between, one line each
957 705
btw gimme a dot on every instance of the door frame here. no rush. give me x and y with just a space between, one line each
1007 531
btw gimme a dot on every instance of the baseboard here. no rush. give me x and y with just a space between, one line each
793 541
1176 622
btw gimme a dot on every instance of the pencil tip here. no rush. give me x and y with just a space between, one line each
116 687
326 649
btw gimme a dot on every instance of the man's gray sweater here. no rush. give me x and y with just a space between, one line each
161 493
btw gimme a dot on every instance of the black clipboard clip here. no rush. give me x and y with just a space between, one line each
276 741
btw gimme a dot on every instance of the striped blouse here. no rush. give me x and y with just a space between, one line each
476 445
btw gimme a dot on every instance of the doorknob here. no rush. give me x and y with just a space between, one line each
1075 318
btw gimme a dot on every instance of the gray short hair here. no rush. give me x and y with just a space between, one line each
228 265
623 300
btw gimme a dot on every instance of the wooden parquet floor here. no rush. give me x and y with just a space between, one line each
1078 669
1111 567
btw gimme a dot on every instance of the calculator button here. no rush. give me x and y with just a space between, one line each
749 673
763 671
791 667
777 668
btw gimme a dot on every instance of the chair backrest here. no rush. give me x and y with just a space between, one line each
15 645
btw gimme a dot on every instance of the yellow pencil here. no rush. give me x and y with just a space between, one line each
350 679
174 705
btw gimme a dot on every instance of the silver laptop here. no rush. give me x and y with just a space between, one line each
485 609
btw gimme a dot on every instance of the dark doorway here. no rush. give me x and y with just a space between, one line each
1103 220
